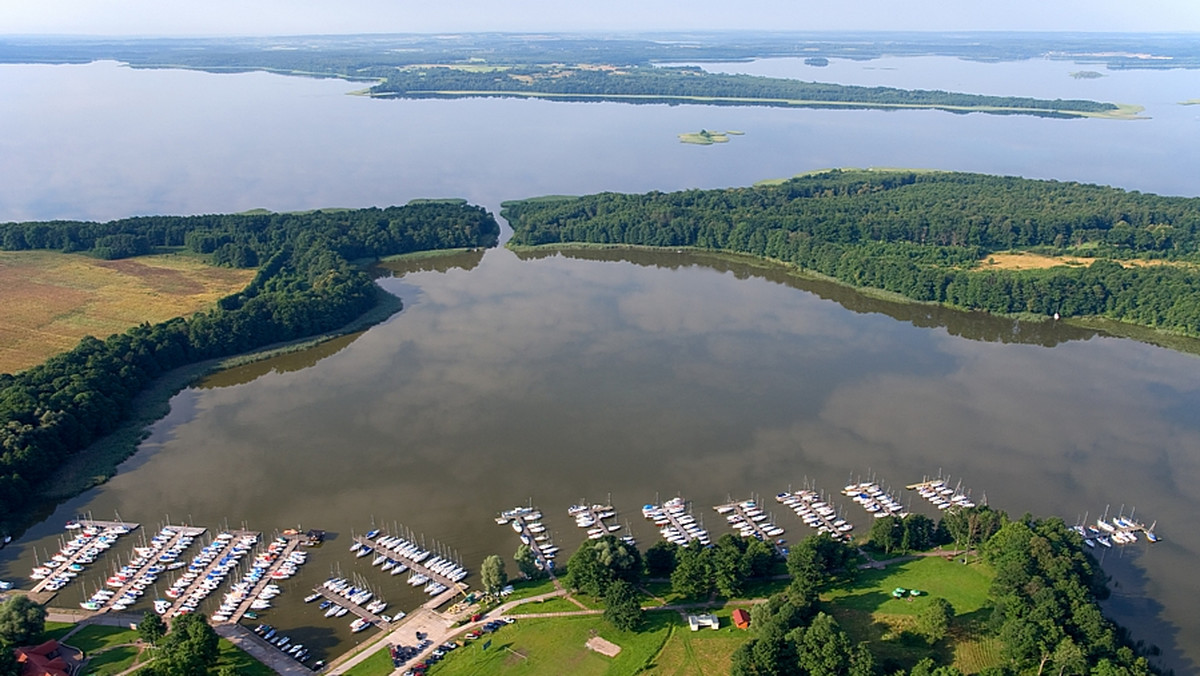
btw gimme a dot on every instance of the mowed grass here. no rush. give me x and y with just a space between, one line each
56 630
376 665
230 655
113 661
94 638
553 646
52 300
557 604
698 653
867 612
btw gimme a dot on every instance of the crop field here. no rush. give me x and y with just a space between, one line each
51 300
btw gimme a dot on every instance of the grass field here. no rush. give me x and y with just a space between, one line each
245 665
57 630
95 638
708 651
378 664
112 661
555 646
554 605
51 300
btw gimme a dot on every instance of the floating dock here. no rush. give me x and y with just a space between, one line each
1120 530
749 520
675 523
333 590
526 522
594 519
874 499
210 567
281 560
939 493
153 561
94 538
815 512
415 559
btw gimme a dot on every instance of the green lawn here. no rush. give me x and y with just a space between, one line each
555 646
233 656
111 661
525 589
56 630
965 587
554 605
707 651
94 638
378 664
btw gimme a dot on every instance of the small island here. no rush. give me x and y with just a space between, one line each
705 137
1086 75
1190 102
818 61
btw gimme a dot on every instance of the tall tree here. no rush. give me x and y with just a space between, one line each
22 621
933 621
622 608
151 628
527 563
492 574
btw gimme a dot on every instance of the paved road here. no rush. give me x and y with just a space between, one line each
262 651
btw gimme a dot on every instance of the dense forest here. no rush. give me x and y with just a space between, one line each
923 235
305 285
678 84
372 55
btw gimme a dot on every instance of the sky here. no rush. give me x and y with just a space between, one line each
298 17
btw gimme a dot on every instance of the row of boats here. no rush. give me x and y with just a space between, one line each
206 571
816 513
675 524
526 523
285 645
1120 530
877 502
939 494
129 583
355 596
749 520
75 555
271 565
396 555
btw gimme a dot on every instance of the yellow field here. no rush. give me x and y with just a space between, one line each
51 300
1018 260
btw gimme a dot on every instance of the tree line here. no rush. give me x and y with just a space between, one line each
675 83
305 285
924 236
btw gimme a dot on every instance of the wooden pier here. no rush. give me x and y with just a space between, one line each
196 590
84 551
353 607
412 565
816 513
750 520
675 523
293 541
521 520
593 519
143 571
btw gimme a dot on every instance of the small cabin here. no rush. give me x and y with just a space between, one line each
703 620
741 619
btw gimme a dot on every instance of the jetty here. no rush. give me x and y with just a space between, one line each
675 523
94 538
594 519
1120 530
526 522
340 592
417 560
208 570
816 513
147 564
877 502
269 575
939 493
746 517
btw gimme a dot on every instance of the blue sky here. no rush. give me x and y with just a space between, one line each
290 17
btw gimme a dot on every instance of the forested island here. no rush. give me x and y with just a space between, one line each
924 235
306 283
690 84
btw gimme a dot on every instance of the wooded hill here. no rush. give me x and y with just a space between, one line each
305 285
922 235
679 84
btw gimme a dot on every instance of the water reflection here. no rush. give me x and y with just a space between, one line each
970 325
286 363
443 262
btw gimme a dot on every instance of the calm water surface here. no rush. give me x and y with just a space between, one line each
558 377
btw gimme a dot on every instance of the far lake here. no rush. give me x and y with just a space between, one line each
550 378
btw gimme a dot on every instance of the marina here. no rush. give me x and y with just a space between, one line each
816 513
147 564
257 587
877 502
939 493
92 540
396 555
675 523
343 597
206 571
750 521
1120 530
526 522
594 519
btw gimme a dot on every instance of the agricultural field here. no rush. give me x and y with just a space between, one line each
52 300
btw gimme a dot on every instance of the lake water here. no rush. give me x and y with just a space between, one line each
554 377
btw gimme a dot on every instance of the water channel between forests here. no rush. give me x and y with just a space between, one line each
552 377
